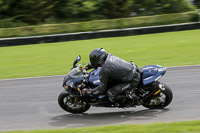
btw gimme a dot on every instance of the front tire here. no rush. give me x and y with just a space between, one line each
166 92
72 104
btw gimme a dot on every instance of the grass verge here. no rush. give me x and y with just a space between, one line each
175 127
166 49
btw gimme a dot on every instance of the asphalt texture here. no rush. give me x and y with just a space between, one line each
27 104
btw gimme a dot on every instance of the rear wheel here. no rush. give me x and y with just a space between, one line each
72 104
161 100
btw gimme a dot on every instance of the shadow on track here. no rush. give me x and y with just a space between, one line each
106 118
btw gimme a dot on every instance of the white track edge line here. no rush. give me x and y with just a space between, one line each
64 75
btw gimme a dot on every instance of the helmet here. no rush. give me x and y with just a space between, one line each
97 56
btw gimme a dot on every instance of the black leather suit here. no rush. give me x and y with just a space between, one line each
125 73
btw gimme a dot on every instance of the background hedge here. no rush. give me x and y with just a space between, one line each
131 22
34 12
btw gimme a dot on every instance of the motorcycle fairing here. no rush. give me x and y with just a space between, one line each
152 73
94 77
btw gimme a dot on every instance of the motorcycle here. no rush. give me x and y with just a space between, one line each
151 93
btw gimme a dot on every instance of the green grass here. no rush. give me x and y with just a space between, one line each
166 49
175 127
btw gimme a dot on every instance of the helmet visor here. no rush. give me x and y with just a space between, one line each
93 61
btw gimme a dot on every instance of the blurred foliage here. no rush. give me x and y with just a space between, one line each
76 9
152 7
197 3
115 8
100 24
6 7
58 11
33 11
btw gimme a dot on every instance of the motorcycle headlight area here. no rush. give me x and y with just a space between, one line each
69 85
72 85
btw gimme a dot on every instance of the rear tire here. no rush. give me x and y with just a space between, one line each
167 92
68 104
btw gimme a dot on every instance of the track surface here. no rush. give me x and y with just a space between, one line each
27 104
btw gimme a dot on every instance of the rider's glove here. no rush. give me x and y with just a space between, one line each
88 67
86 92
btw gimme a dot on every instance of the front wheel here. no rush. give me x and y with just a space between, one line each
72 104
163 99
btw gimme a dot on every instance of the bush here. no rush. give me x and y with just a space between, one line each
7 23
100 25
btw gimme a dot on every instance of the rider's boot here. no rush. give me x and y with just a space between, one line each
111 98
133 100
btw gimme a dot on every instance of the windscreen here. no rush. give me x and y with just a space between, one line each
74 73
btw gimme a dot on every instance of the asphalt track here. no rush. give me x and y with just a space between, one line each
27 104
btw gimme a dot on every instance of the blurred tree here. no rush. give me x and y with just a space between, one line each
151 7
33 11
197 3
145 7
77 9
175 6
5 7
115 8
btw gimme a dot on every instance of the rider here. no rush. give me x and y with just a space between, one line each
126 73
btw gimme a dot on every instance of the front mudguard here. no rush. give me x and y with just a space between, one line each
65 92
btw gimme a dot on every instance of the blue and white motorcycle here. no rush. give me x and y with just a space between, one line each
152 93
